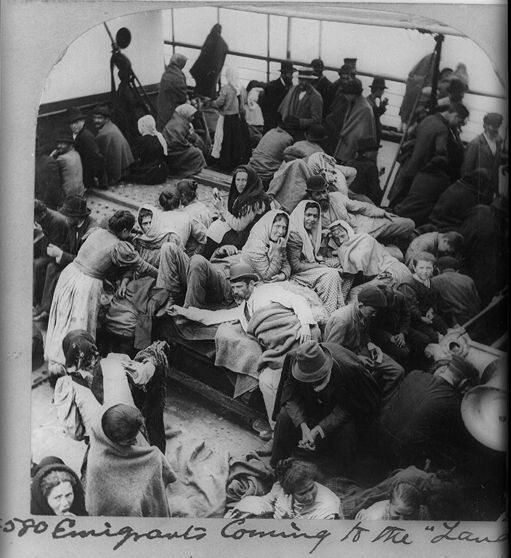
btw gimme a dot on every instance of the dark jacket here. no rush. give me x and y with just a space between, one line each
48 187
478 155
55 229
351 394
269 101
453 204
326 89
367 180
395 318
419 298
75 240
90 155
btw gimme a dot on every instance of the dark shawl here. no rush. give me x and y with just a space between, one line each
253 194
208 65
79 348
39 504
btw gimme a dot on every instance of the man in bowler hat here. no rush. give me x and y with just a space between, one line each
79 223
378 103
274 93
85 144
324 397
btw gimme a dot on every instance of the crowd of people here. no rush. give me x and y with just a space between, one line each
340 296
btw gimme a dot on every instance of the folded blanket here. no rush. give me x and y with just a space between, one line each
237 351
276 329
247 477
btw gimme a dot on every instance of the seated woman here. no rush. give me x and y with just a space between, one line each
404 503
423 301
362 253
78 292
125 475
246 203
128 321
185 157
173 220
149 152
295 495
307 266
56 489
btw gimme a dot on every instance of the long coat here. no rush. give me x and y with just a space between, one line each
479 155
116 152
172 93
92 160
209 64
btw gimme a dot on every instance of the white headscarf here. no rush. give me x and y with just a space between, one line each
147 127
186 110
310 246
232 77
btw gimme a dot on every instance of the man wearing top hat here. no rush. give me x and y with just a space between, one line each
378 104
273 94
322 84
302 106
70 165
112 144
79 223
85 144
314 137
485 150
367 179
325 395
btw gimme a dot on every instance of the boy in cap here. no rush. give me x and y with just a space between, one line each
302 106
485 150
70 165
85 144
378 104
324 397
112 144
274 93
349 327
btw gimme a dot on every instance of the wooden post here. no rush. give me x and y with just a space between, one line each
288 39
173 31
268 47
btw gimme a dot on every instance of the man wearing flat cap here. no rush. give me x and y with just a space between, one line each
113 146
349 327
70 165
302 106
358 122
85 144
172 91
485 150
274 93
325 395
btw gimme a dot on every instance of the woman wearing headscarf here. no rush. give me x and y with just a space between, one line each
56 489
173 219
206 69
128 321
361 253
77 296
231 143
185 157
125 475
307 266
246 203
149 151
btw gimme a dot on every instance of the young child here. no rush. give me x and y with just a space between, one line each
423 302
404 503
295 495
